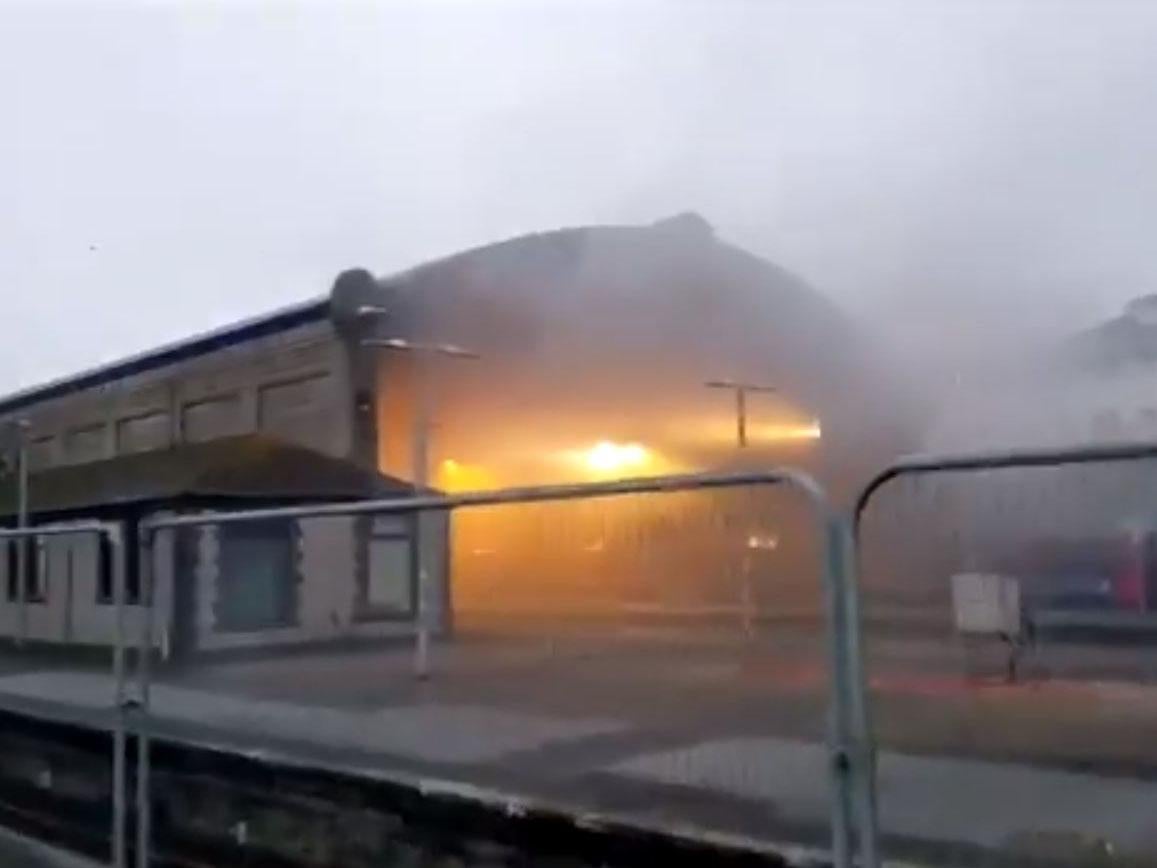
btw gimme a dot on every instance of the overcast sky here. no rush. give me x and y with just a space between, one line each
169 166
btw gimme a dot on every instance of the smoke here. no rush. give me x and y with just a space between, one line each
966 179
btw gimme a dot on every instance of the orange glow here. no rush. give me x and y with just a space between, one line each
608 460
719 431
763 542
456 476
606 457
780 433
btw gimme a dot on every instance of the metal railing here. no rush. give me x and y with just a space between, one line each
851 752
112 532
954 464
852 800
999 460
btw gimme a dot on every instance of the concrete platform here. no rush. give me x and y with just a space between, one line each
721 735
17 851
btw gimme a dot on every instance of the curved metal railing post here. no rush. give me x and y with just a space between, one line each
146 605
101 531
120 732
854 759
849 752
956 463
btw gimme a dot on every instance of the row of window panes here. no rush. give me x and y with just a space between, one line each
36 575
203 419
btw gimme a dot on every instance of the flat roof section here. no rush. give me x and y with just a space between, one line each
279 320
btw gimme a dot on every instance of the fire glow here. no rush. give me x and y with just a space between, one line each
781 433
606 457
604 460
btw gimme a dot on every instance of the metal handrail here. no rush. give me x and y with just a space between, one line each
39 530
849 752
997 460
111 531
956 463
521 494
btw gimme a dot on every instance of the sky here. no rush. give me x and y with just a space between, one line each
942 169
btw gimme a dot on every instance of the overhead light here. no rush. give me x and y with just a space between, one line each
763 542
371 310
608 457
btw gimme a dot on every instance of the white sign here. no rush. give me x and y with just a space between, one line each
986 603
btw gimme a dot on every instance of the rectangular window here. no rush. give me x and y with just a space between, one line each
143 433
35 576
388 584
11 547
85 444
257 576
106 568
388 580
36 573
296 410
289 396
211 418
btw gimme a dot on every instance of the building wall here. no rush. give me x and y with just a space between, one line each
300 385
327 596
294 385
69 609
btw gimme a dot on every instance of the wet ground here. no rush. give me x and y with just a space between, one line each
716 729
19 852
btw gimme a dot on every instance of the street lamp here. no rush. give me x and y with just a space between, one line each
741 392
746 591
371 310
423 353
416 346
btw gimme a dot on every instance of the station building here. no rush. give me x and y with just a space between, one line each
577 354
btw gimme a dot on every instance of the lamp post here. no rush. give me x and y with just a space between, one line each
741 390
746 592
423 353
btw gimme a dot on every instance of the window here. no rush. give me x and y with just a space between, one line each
143 433
256 576
387 584
36 574
106 567
295 410
104 570
86 444
35 570
211 418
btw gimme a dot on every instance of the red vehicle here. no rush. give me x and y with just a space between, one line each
1086 573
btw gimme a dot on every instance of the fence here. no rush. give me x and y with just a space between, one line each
981 750
847 761
1028 738
1008 608
25 593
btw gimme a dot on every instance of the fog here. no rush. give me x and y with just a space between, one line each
960 176
611 334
